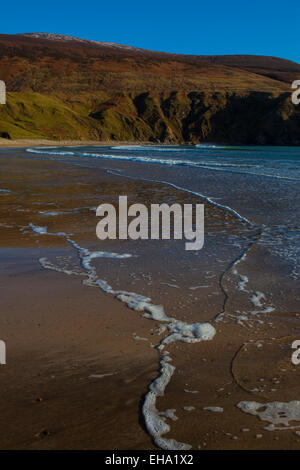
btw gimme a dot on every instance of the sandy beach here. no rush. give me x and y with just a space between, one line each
80 362
149 232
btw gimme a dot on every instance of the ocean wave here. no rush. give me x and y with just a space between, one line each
211 146
163 161
147 148
165 148
45 151
143 159
207 164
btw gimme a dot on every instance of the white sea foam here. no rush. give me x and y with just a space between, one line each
264 310
46 264
151 148
209 165
258 298
243 281
170 285
51 213
169 414
178 330
65 212
37 229
141 159
142 303
156 423
45 151
44 231
198 287
188 332
105 254
276 413
139 338
100 376
214 409
211 146
161 329
155 420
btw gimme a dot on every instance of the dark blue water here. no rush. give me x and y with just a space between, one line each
275 162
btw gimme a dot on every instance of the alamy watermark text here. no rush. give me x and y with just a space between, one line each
2 92
2 352
155 223
296 93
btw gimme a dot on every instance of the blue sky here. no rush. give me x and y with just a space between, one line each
190 26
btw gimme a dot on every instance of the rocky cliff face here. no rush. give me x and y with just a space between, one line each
177 117
64 88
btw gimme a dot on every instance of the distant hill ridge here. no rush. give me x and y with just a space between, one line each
62 87
63 37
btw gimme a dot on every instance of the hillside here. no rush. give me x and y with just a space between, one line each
61 87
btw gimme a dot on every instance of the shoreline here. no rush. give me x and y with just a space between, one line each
23 143
55 347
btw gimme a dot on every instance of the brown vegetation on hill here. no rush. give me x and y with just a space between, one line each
65 88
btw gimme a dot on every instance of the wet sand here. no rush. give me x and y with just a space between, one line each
60 332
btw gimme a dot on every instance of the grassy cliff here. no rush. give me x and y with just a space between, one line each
70 89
